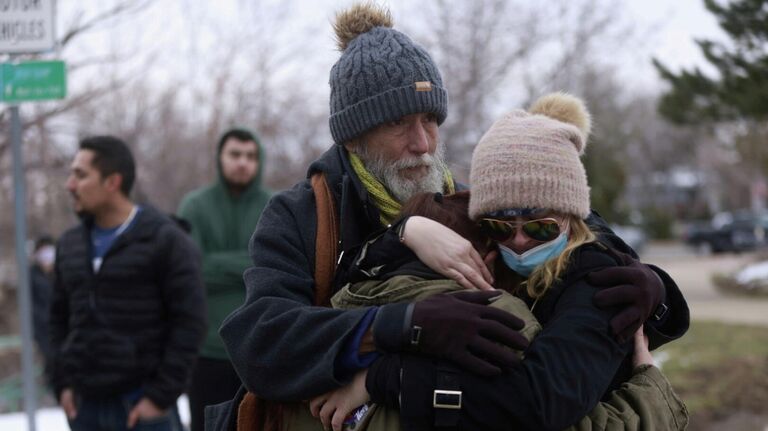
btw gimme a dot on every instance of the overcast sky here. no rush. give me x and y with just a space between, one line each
673 25
668 28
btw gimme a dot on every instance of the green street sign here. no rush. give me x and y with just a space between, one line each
33 80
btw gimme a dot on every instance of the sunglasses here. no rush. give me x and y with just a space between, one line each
542 230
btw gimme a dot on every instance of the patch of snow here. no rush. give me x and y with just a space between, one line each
48 419
53 419
183 405
753 273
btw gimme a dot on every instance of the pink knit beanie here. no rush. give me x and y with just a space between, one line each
531 160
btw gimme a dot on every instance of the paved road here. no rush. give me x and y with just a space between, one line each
693 273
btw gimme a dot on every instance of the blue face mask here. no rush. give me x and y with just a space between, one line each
525 263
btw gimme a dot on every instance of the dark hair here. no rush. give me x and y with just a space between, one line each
242 135
43 240
112 156
451 211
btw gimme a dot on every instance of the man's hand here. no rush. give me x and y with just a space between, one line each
144 409
67 401
462 328
333 407
447 253
635 287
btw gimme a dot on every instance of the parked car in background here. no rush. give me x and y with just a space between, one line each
729 232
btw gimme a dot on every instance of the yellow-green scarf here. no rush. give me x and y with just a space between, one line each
388 207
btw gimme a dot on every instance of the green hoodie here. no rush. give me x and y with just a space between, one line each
222 226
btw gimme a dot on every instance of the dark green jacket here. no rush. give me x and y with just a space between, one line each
222 226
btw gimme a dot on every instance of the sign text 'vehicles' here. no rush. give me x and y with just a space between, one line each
14 32
26 25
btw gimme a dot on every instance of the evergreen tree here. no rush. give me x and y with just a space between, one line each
740 91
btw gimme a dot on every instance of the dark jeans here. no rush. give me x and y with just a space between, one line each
213 381
111 414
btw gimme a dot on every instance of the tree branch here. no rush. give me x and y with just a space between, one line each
128 6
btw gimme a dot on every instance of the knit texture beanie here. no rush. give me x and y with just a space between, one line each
531 160
382 75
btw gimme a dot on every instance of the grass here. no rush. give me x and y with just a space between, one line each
719 369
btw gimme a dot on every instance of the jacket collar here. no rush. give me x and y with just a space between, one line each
146 222
359 216
334 163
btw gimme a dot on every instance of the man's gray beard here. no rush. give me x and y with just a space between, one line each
400 187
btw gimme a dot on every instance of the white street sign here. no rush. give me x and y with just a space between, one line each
26 26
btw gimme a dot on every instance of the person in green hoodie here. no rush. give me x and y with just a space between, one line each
223 215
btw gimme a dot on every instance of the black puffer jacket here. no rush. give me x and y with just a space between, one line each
138 322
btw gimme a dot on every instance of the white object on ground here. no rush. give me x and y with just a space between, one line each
757 272
53 419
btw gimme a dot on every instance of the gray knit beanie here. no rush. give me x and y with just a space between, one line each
531 160
382 75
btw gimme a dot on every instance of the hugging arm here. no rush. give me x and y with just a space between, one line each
439 247
286 349
644 293
641 293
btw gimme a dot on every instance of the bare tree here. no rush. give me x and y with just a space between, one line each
46 160
477 45
244 82
496 55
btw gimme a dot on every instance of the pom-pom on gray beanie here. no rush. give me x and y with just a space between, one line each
382 75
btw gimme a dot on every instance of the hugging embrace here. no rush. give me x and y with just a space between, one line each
400 348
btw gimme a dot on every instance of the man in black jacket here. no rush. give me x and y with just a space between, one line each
128 311
387 101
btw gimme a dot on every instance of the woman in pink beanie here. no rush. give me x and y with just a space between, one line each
529 194
531 198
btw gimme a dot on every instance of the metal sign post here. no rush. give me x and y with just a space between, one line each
22 293
26 27
27 81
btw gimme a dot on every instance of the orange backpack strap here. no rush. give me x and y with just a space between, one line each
253 413
248 417
327 240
